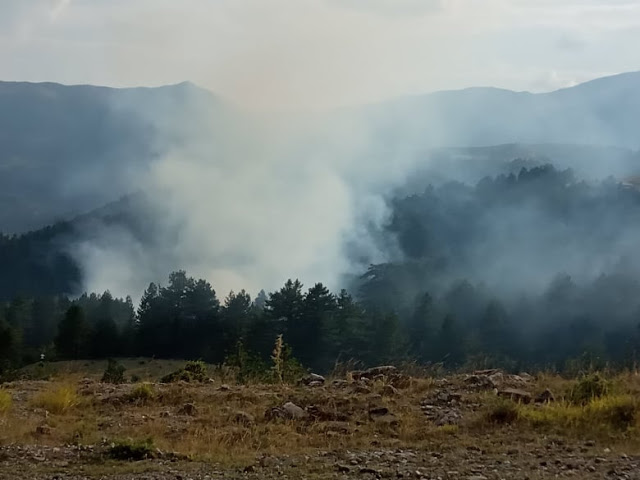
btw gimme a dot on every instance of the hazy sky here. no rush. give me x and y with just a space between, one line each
319 53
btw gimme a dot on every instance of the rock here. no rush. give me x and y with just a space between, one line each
371 471
244 418
452 417
378 411
382 415
293 411
383 370
481 382
487 372
516 395
362 390
343 469
43 429
398 380
545 397
188 409
315 384
312 378
224 388
371 373
336 427
389 391
326 415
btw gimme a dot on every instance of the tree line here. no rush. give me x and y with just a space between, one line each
184 319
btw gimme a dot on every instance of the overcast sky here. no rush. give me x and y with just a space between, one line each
319 53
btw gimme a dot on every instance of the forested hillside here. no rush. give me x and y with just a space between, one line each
528 270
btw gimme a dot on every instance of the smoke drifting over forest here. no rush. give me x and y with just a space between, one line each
248 201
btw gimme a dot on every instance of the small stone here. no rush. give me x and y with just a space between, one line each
43 430
188 409
293 411
244 418
389 391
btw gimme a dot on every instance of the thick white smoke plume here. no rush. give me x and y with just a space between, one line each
248 202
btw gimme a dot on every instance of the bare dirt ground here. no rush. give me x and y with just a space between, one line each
487 425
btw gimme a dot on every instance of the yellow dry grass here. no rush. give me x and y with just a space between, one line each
5 401
57 399
229 426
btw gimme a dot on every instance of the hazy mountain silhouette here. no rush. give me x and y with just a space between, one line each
65 150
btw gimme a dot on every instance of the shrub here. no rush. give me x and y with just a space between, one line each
135 378
142 394
588 388
502 412
194 371
114 372
247 367
5 401
57 400
135 450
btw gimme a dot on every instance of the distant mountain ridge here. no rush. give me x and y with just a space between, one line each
601 112
65 150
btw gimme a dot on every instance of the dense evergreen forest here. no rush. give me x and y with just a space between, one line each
530 270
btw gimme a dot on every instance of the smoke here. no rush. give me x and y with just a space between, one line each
245 201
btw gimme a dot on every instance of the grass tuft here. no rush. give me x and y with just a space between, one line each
502 412
57 400
5 401
605 415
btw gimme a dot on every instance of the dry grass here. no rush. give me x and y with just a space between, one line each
57 399
215 433
6 400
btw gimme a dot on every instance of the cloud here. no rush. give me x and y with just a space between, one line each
393 7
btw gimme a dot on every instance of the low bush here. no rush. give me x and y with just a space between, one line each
588 388
502 412
194 371
133 450
114 372
142 394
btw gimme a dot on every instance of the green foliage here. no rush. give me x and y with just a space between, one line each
142 394
248 367
72 334
193 371
132 450
114 372
588 388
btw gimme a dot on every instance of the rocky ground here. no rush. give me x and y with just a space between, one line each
372 424
519 461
